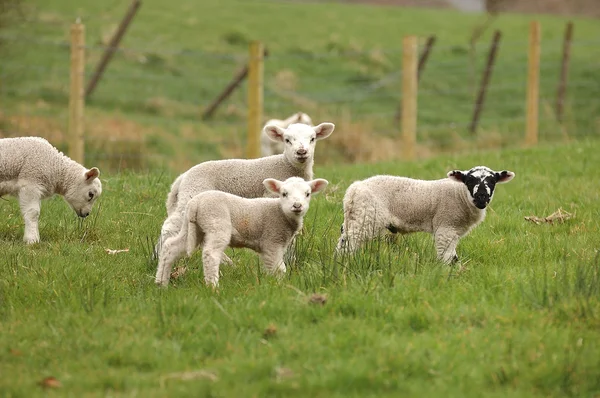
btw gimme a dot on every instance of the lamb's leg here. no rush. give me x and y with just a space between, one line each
215 244
173 249
170 228
30 201
273 260
446 240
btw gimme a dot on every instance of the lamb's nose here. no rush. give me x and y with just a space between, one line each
301 151
297 206
84 214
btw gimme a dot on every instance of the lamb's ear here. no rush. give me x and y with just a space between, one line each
272 185
274 132
317 185
324 130
504 176
91 174
456 175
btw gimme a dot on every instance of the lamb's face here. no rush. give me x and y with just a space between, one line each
480 182
295 193
82 195
299 139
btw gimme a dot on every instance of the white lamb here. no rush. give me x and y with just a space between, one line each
244 177
447 208
32 169
217 220
269 147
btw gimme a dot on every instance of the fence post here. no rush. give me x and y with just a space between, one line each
409 96
533 82
76 97
255 97
564 72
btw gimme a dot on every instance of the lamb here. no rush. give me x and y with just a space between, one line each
448 208
32 169
243 177
217 220
269 147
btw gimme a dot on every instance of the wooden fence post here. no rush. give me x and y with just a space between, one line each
409 96
564 72
255 98
422 62
76 97
533 83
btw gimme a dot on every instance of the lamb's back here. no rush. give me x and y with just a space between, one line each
28 158
241 177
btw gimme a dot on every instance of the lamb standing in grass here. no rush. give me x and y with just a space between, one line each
32 169
217 220
269 147
244 177
447 208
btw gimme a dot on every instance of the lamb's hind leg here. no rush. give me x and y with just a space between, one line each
446 240
215 243
173 249
30 201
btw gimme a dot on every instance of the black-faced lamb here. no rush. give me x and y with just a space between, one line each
32 169
448 208
270 147
244 177
216 220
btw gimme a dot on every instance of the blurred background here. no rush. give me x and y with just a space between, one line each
338 61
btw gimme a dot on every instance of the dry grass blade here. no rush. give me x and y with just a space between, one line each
190 375
115 251
178 272
559 216
50 382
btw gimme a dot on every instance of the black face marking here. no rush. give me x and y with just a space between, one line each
392 229
480 182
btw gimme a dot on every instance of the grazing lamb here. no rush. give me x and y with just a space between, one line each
217 220
269 147
32 169
447 208
244 177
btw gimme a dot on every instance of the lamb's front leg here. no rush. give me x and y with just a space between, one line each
446 240
273 260
29 201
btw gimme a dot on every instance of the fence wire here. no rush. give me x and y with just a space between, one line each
147 109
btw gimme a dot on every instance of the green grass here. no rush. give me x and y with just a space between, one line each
520 318
337 62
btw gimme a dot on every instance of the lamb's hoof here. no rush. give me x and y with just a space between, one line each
161 284
32 241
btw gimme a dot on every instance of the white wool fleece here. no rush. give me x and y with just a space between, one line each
216 220
32 169
244 177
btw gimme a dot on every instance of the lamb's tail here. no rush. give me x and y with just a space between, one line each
173 195
362 218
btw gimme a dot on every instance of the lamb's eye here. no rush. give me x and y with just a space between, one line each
312 139
287 141
307 194
284 194
91 195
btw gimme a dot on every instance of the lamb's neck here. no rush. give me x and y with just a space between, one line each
68 172
294 223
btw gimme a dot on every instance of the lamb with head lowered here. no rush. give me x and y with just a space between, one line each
32 169
244 177
448 208
216 220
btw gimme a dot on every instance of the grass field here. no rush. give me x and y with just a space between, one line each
337 62
519 317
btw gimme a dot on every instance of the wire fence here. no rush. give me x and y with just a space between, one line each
146 110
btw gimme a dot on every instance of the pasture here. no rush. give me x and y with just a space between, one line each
519 316
337 62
